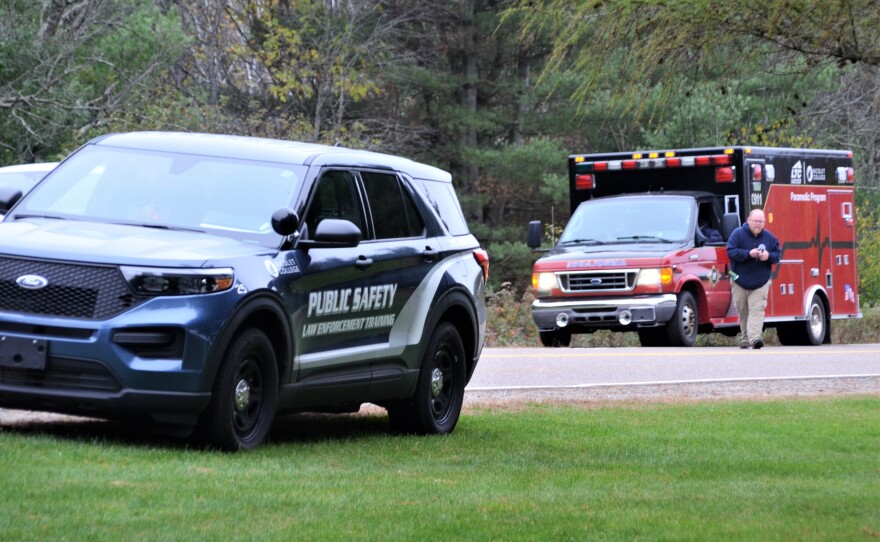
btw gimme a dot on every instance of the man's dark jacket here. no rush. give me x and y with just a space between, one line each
751 273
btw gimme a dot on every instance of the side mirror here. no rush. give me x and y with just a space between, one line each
333 232
285 222
535 234
729 222
8 198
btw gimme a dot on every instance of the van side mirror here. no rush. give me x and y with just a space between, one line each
535 234
729 222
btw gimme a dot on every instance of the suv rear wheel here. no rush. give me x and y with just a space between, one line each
436 404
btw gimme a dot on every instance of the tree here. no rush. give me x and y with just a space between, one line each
65 64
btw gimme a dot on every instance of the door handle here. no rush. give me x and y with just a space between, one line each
363 262
429 254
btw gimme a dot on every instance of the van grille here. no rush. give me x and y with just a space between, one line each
598 281
74 290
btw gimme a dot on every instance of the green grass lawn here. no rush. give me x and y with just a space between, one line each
781 470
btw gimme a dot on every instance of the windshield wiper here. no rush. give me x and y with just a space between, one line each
160 226
581 241
29 215
644 238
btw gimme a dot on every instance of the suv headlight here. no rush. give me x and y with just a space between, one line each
655 277
165 281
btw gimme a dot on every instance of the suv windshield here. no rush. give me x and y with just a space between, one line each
664 219
232 198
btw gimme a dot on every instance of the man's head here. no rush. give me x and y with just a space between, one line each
756 221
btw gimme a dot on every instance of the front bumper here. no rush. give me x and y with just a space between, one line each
604 312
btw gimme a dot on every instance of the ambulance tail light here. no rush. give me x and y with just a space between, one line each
724 175
584 181
482 258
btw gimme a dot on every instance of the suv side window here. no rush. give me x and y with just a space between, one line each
394 214
335 197
443 200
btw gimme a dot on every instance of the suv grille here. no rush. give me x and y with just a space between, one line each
74 290
63 374
598 281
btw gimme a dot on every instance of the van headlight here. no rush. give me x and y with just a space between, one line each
544 282
166 281
654 276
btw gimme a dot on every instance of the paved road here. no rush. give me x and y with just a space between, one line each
547 368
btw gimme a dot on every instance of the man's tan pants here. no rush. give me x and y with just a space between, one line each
750 306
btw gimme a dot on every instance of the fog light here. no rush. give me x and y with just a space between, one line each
625 318
561 319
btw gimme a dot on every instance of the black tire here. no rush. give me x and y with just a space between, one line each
811 331
245 394
436 403
681 330
555 339
653 336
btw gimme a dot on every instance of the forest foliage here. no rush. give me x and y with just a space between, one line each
498 92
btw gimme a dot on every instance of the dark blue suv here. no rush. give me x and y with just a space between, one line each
207 282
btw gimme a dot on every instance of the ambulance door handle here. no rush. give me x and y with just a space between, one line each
363 262
430 254
694 257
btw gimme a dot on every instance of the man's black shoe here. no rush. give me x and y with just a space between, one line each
759 343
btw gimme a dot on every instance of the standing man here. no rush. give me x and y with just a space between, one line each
752 251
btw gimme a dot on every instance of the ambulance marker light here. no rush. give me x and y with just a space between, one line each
584 181
757 172
724 175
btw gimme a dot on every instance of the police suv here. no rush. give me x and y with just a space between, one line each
207 282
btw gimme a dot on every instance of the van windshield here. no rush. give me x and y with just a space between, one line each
656 219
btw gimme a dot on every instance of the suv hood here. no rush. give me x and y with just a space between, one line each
97 242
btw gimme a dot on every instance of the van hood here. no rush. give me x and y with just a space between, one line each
613 252
96 242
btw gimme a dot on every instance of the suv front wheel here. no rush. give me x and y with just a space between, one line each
436 404
245 394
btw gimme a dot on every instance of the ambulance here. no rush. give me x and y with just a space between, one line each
645 248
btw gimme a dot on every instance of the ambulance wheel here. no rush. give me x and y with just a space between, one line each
682 329
245 395
435 406
556 338
811 331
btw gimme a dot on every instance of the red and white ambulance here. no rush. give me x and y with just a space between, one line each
645 248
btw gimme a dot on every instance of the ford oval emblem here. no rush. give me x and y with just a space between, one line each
595 281
32 282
